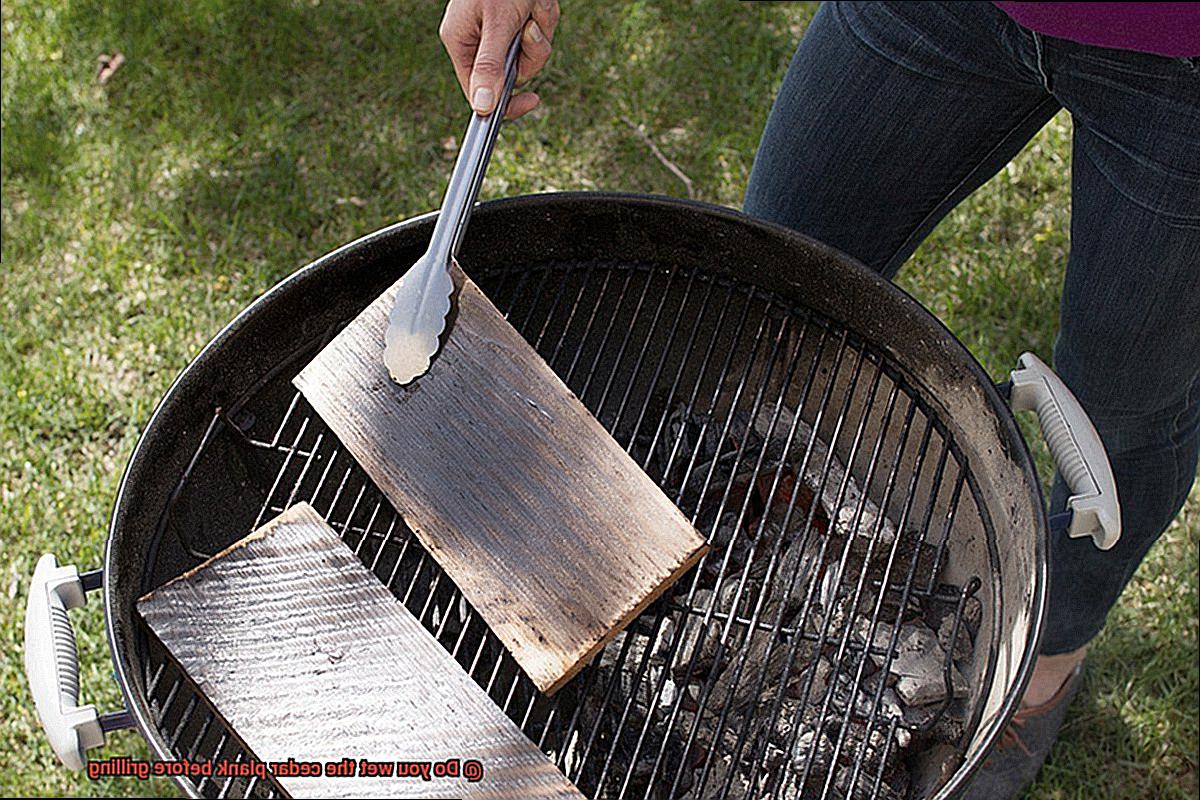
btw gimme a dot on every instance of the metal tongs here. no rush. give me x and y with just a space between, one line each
425 292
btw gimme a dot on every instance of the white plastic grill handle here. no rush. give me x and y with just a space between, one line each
1076 448
52 663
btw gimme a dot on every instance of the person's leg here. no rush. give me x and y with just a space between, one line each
882 124
1129 345
891 114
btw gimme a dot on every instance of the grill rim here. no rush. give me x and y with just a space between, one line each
138 471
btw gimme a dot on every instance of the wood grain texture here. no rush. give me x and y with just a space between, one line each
307 656
554 534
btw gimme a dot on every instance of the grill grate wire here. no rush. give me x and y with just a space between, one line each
693 341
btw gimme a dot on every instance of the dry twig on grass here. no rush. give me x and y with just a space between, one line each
666 162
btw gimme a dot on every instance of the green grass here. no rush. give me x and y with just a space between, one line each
242 138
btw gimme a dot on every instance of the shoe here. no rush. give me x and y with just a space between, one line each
1023 746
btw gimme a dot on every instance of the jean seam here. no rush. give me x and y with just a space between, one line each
1183 475
1039 46
939 210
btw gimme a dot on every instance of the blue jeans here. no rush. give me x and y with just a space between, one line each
891 114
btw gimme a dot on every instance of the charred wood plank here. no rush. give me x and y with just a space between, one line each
548 527
306 655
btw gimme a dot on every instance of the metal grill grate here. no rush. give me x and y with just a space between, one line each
652 352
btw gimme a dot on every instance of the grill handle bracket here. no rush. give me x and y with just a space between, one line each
1076 447
52 662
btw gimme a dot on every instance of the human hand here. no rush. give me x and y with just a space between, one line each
477 34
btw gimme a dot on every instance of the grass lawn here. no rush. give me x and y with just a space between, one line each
242 138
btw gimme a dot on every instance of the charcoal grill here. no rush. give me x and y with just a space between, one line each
659 314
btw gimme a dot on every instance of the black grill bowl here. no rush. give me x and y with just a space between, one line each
641 304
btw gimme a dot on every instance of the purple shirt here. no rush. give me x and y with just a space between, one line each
1165 29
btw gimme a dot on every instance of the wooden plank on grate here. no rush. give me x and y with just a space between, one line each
307 656
549 528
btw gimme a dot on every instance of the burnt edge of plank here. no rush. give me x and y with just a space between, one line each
295 513
628 618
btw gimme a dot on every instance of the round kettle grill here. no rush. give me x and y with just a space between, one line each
759 376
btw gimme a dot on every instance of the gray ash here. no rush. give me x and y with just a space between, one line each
794 661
